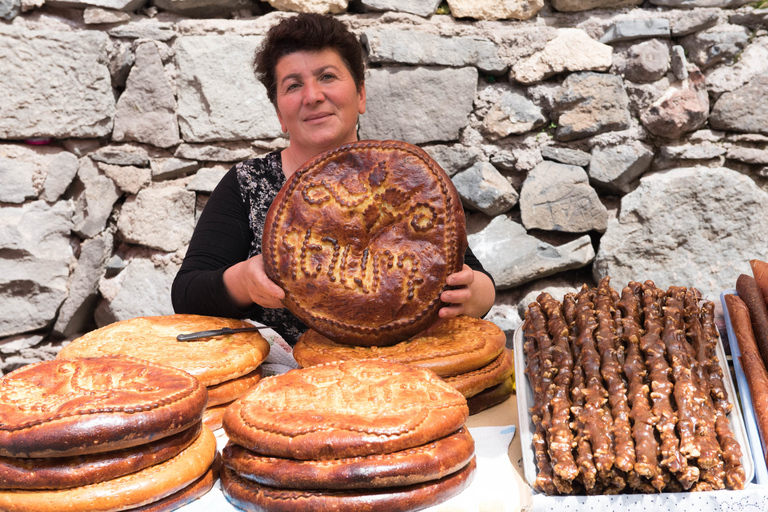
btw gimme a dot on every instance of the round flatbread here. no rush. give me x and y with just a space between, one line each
495 372
459 345
65 407
134 490
66 472
494 395
153 338
431 461
250 496
231 390
362 239
213 416
346 409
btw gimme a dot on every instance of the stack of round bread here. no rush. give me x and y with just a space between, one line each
108 433
366 435
468 353
227 365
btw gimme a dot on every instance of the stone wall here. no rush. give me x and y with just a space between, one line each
588 138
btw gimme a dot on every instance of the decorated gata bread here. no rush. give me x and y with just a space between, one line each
457 346
496 372
64 407
231 390
345 409
362 239
212 360
491 396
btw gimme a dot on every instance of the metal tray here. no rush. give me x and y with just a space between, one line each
525 401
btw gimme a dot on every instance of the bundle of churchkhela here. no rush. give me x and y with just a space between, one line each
468 353
98 434
228 364
355 436
628 393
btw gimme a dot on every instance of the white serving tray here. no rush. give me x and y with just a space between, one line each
525 401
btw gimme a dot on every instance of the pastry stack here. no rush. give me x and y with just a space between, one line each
468 353
227 365
366 435
107 433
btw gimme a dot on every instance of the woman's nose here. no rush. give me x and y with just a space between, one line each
313 93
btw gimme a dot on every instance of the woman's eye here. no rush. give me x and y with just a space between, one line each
328 76
292 87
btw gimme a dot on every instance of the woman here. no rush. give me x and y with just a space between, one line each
312 67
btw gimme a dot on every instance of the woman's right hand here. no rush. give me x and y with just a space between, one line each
247 283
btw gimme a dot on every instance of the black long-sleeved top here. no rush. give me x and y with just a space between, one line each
229 231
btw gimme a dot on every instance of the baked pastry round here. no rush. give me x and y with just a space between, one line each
231 390
213 416
250 496
430 461
64 407
495 372
489 397
153 338
459 345
76 471
345 409
362 238
133 490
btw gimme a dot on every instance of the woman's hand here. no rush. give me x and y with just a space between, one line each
471 294
247 283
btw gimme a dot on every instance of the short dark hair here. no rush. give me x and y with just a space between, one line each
307 32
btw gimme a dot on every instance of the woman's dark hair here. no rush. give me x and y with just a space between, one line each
308 33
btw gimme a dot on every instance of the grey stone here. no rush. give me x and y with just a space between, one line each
513 114
646 62
120 63
93 200
70 63
170 168
683 108
313 6
505 317
141 289
81 147
571 50
389 45
409 103
223 152
692 151
16 177
748 155
120 5
9 9
144 29
16 344
518 42
743 110
35 255
129 179
693 20
495 10
558 197
121 155
205 180
99 16
114 266
709 216
204 8
616 168
513 257
422 8
146 111
590 104
755 18
752 62
504 160
585 5
700 3
720 43
219 97
77 309
483 188
627 30
61 172
158 217
454 158
566 156
679 62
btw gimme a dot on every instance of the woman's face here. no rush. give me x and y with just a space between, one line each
317 100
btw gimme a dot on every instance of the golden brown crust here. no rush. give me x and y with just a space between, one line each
430 461
231 390
213 416
66 472
497 371
489 397
134 490
362 239
62 408
153 338
346 409
251 496
459 345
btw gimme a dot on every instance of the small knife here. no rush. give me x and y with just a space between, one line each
193 336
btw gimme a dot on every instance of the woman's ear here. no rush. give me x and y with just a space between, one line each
280 118
361 101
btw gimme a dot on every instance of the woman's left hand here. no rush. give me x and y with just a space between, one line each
459 294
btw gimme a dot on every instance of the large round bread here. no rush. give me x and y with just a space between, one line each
231 390
250 496
212 360
362 238
66 472
345 409
430 461
459 345
62 408
495 372
491 396
134 490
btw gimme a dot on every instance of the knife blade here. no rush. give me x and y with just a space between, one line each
193 336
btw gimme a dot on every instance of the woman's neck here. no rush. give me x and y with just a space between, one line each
293 158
